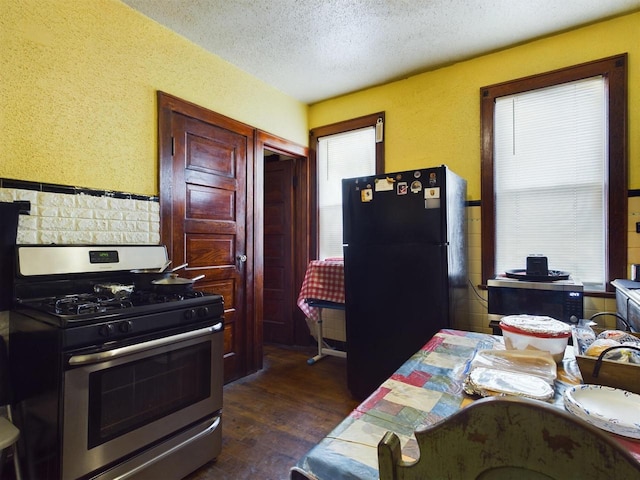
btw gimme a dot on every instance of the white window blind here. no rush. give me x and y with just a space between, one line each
550 179
343 155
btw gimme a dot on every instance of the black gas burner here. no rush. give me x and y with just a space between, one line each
96 303
86 303
147 297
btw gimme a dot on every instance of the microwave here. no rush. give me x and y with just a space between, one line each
561 299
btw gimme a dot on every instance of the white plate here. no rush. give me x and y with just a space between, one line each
611 409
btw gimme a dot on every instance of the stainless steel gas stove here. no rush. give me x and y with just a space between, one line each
113 380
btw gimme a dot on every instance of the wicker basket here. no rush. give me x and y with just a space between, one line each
601 371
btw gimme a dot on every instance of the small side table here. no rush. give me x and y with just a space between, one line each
324 350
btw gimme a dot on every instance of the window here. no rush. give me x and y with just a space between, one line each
548 178
344 150
343 155
554 172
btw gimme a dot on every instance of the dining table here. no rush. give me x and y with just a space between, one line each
323 282
426 389
322 287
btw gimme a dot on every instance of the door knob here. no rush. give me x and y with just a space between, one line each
241 258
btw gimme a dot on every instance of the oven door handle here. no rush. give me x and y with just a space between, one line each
141 347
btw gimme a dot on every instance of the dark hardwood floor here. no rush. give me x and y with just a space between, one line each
273 417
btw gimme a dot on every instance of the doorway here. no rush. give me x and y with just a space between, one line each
212 216
279 245
285 238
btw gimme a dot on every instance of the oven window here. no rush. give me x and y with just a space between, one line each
129 396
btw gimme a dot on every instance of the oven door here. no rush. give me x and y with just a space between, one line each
120 402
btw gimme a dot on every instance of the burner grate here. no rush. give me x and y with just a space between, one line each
87 303
149 297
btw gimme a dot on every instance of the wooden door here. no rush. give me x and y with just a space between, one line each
266 142
204 166
279 215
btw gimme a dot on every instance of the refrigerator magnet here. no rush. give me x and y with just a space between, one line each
402 188
433 192
432 198
416 186
384 184
366 195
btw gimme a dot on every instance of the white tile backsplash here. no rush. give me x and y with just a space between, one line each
91 202
85 219
82 219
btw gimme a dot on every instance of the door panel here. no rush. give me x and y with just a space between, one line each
208 190
205 250
210 156
209 203
278 252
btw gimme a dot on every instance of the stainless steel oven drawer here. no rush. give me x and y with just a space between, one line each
169 460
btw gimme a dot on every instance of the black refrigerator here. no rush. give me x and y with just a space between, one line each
405 262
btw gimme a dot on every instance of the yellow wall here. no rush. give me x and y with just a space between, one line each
78 82
434 118
78 106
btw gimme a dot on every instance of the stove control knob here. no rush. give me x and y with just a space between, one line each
125 327
189 314
106 330
203 312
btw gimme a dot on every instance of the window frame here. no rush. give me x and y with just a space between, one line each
614 71
332 129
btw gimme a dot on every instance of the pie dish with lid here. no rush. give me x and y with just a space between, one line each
536 332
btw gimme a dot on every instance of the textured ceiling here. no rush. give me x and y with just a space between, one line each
317 49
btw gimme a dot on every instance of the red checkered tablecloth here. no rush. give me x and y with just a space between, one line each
324 280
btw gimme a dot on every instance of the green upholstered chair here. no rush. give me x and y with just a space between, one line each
500 438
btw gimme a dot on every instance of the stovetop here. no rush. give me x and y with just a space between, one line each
78 305
69 311
85 320
69 292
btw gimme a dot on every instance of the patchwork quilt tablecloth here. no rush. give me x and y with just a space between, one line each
424 390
